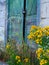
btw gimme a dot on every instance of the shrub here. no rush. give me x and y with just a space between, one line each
41 37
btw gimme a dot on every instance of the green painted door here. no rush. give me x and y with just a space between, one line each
15 11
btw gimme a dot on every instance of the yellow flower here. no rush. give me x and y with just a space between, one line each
47 33
35 34
40 35
17 57
18 61
38 56
42 62
37 41
7 46
33 27
31 33
38 52
43 29
48 50
29 37
26 59
46 28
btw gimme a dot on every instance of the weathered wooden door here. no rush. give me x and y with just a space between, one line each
15 11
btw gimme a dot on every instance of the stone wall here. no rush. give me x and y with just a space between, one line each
3 20
44 12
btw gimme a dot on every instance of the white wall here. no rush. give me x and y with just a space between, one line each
44 13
